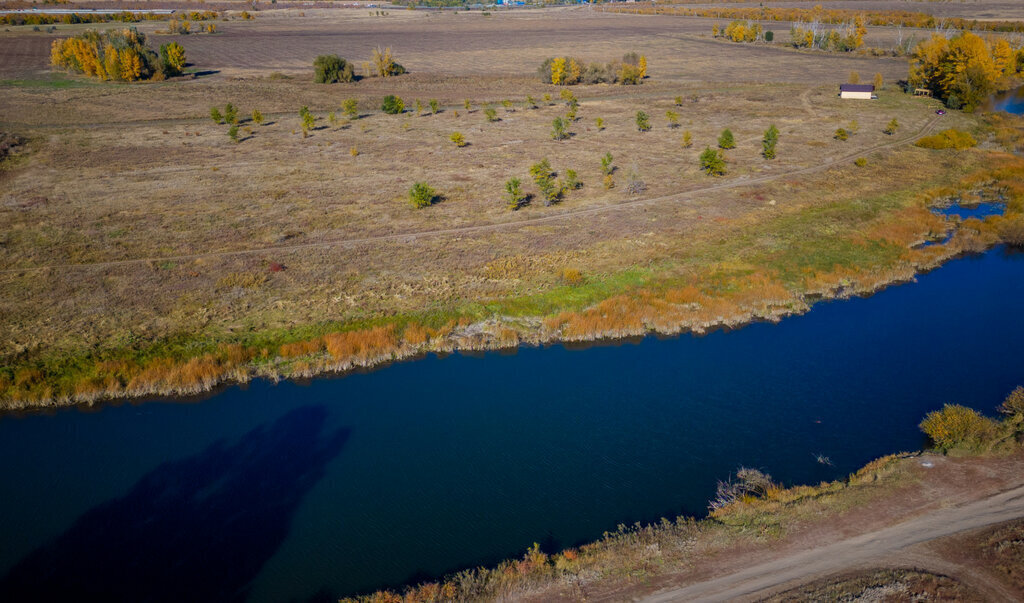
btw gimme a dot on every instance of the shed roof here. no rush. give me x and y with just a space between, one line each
856 88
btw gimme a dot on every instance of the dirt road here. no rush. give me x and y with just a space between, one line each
819 562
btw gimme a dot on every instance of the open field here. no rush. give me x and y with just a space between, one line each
135 231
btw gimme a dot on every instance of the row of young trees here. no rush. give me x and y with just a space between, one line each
75 18
569 71
847 37
966 70
117 54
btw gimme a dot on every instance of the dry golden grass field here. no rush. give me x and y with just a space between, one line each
136 236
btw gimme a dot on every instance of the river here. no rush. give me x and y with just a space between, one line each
310 491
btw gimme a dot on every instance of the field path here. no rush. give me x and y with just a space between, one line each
493 226
814 563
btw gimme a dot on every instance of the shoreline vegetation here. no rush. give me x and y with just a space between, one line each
750 509
873 244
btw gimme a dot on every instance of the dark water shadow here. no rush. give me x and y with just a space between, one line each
195 529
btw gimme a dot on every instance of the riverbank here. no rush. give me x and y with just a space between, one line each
851 247
763 539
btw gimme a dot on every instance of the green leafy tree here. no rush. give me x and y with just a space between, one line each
330 68
544 178
233 133
351 108
419 107
458 139
726 140
531 103
559 129
572 181
607 167
841 134
507 104
434 106
771 138
230 114
172 59
490 113
599 123
257 117
673 119
514 196
392 105
712 162
216 116
643 121
679 101
891 128
467 105
421 195
308 120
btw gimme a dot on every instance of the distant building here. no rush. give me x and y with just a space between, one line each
861 91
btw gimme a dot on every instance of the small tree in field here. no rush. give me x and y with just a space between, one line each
421 195
458 139
467 105
687 140
559 129
490 113
673 119
230 114
643 121
892 127
351 108
771 138
257 117
419 107
308 120
330 68
726 140
216 116
531 103
841 134
233 133
392 105
514 196
599 124
607 167
879 81
712 162
434 106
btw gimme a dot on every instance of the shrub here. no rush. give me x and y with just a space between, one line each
434 106
1011 232
769 36
467 104
544 178
599 124
351 108
687 140
421 195
172 59
383 63
514 196
673 119
531 103
230 114
330 68
559 129
490 113
712 162
726 140
508 105
891 128
608 182
354 151
947 139
233 133
643 122
571 277
957 426
860 161
841 134
678 101
419 107
634 184
216 116
392 105
771 138
607 167
572 181
458 139
257 117
308 120
1014 403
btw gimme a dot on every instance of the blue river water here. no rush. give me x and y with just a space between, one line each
311 491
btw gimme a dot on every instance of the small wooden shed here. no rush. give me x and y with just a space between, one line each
861 91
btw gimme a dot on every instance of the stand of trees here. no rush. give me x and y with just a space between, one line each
118 54
966 70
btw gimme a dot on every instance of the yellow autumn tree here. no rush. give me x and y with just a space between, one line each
111 64
859 30
131 64
963 71
558 71
642 66
575 73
